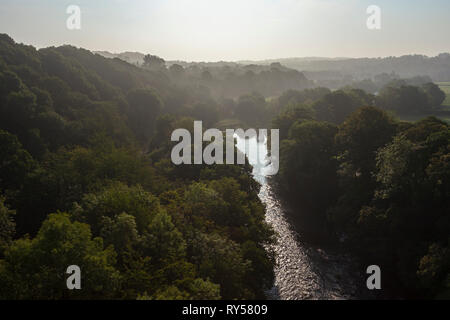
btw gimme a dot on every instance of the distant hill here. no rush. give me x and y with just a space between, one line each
131 57
137 58
290 61
437 68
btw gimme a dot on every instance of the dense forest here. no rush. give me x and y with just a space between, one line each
437 68
222 79
86 176
378 185
369 74
86 179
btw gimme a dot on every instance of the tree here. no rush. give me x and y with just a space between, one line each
251 108
7 226
434 272
336 106
361 135
434 94
410 208
291 114
120 231
307 95
308 169
357 142
9 82
145 106
66 176
154 62
115 200
207 203
197 289
74 137
404 99
207 113
162 241
176 70
221 260
36 269
15 162
206 76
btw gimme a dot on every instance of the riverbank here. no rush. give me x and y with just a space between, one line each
302 271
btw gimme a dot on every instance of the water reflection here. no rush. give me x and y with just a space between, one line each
301 272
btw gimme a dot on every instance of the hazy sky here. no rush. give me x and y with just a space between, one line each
210 30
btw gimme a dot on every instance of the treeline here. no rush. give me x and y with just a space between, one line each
86 179
377 185
398 97
407 66
223 79
232 81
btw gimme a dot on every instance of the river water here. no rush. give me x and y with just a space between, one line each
302 271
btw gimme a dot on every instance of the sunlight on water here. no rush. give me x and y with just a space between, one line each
257 155
301 272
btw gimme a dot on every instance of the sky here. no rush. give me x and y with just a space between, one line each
232 30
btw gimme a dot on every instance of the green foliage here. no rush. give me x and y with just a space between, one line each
207 113
434 94
115 200
408 99
145 107
380 186
7 226
119 231
15 162
305 96
36 269
64 177
434 269
222 261
408 207
308 168
251 108
291 114
154 62
336 106
75 130
360 136
162 241
199 289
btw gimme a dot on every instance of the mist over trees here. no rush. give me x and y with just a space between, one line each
86 179
437 68
369 74
376 184
86 175
224 79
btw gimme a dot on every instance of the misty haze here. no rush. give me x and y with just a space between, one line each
346 196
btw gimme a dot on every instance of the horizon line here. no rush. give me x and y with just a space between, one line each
238 61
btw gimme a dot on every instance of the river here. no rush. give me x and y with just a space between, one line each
302 271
